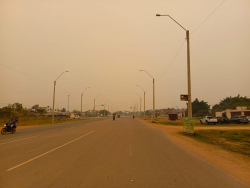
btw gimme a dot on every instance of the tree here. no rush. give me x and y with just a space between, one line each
102 112
200 108
76 111
231 103
63 110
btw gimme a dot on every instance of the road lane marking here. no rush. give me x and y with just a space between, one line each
68 129
26 138
18 140
48 152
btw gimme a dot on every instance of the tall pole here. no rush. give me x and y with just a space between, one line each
153 100
81 99
153 119
81 105
144 100
94 108
189 77
140 106
144 104
53 102
54 96
188 67
68 103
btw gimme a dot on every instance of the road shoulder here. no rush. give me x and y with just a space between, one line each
235 164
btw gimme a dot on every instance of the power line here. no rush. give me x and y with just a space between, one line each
209 16
26 74
171 61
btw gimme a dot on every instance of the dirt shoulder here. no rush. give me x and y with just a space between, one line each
235 164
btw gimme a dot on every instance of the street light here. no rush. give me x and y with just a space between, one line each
81 100
153 120
140 103
54 96
94 104
144 99
104 108
188 66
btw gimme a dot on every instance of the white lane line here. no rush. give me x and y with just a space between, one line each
25 138
48 152
68 129
19 140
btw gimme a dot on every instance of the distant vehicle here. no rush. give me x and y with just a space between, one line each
8 128
239 119
248 118
77 117
208 119
222 120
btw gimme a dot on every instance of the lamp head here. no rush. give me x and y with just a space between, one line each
158 15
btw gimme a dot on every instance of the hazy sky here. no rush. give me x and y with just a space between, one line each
104 44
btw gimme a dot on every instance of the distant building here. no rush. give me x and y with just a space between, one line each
167 111
239 111
47 109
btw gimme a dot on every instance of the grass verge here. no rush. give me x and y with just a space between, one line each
237 141
165 121
31 121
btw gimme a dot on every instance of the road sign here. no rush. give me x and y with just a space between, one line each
188 125
184 97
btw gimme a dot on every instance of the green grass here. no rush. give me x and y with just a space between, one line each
165 121
232 140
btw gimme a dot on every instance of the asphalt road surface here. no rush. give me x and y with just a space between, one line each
103 153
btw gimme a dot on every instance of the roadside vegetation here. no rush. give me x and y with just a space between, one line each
31 121
166 121
28 118
232 140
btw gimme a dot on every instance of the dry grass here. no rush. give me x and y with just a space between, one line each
30 121
232 140
165 121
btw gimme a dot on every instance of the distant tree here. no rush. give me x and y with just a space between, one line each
200 108
231 103
41 111
63 110
76 111
102 112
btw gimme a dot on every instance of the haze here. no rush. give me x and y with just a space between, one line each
104 44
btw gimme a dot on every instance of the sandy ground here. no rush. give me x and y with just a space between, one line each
234 164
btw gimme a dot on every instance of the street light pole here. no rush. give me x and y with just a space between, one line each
81 100
68 103
153 120
94 104
188 66
140 103
144 99
54 96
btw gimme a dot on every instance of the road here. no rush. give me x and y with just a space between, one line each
103 153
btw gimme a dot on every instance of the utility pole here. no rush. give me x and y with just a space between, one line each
188 66
68 103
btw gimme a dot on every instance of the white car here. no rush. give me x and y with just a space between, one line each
248 117
208 119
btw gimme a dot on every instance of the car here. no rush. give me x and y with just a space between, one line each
248 118
222 120
239 119
208 119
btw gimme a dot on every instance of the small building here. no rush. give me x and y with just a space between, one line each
173 117
239 111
